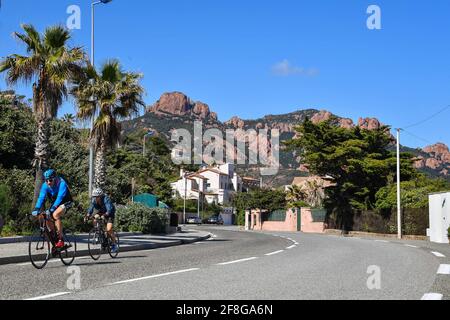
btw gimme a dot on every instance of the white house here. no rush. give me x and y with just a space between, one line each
215 184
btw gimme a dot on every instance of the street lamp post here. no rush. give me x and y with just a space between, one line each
91 149
149 134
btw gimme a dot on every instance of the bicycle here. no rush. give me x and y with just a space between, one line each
100 241
42 244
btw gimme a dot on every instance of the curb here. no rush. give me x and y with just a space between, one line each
138 247
370 234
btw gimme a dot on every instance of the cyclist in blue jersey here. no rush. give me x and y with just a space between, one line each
56 189
103 206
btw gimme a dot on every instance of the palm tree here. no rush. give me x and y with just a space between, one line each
69 118
295 194
50 64
113 95
316 193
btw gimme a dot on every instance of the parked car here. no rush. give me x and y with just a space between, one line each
216 219
194 220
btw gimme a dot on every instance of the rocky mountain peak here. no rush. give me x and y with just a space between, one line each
236 122
438 148
369 123
177 103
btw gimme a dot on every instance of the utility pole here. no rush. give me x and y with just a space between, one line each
399 208
185 194
198 202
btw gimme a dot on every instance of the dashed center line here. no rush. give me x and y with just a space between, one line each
273 253
49 296
236 261
411 246
384 241
155 276
432 296
444 269
438 254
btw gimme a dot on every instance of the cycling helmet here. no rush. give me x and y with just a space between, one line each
97 192
49 174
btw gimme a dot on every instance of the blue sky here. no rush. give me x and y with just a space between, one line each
251 58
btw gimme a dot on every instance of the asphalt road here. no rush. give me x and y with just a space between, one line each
240 265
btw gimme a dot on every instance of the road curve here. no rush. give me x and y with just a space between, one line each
240 265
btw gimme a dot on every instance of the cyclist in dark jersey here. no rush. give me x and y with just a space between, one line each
103 206
55 188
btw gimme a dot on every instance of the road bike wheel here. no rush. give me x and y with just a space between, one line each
95 244
69 252
39 250
113 254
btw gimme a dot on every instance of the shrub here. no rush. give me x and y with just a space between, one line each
448 232
241 218
5 202
139 218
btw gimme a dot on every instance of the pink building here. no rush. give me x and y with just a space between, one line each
305 220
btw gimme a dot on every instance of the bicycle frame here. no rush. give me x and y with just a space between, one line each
100 227
45 230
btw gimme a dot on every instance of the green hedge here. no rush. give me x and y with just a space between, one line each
139 218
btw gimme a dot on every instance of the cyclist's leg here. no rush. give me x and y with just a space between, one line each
57 217
110 230
50 224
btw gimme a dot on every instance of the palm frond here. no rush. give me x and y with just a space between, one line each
31 38
20 68
56 37
111 71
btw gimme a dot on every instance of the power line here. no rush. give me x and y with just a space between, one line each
429 118
417 137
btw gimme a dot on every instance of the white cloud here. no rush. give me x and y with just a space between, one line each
285 69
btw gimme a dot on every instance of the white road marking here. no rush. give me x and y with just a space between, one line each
236 261
272 253
291 247
49 296
438 254
444 269
432 296
126 241
384 241
411 246
155 276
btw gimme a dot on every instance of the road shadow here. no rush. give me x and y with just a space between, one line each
94 263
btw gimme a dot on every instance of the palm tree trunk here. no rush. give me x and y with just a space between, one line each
40 154
100 165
